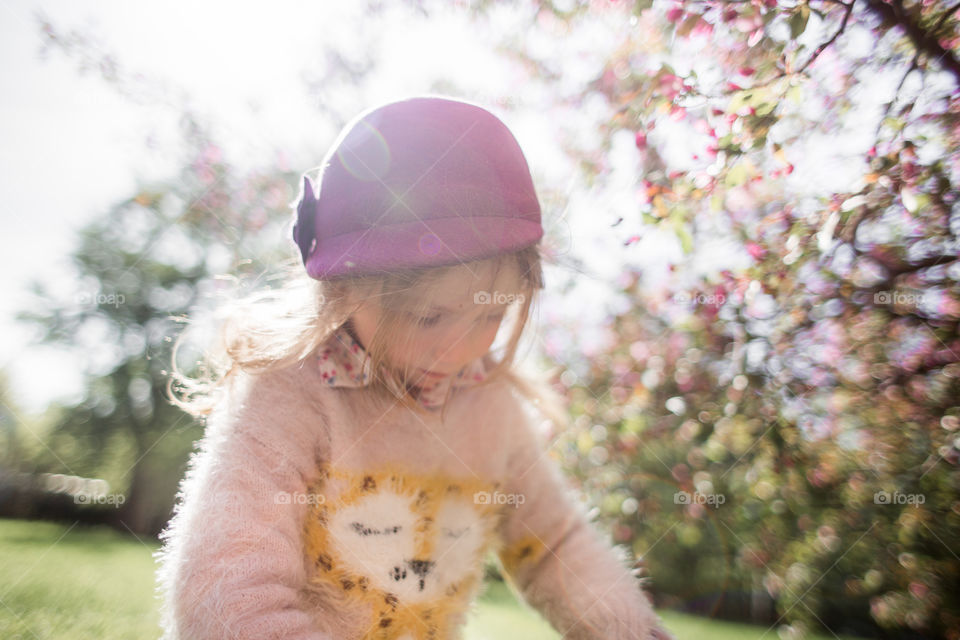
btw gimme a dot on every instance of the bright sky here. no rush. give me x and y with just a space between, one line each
73 145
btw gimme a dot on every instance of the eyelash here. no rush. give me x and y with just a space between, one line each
428 322
432 320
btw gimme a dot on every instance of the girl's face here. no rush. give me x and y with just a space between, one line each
460 328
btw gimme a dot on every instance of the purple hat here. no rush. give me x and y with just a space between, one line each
424 181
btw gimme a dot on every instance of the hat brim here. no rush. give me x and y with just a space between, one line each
439 242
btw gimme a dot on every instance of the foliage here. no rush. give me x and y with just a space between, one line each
815 391
160 256
151 259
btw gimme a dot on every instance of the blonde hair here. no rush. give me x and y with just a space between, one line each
275 327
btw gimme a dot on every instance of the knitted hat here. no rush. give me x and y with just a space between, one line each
423 181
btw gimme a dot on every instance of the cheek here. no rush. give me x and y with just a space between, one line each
489 332
399 353
364 322
425 342
481 338
409 349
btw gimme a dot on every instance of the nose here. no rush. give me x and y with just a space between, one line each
421 568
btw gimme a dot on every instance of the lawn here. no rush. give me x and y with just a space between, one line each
72 582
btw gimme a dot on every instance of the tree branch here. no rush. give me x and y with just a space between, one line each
843 27
896 94
921 39
946 14
848 6
896 269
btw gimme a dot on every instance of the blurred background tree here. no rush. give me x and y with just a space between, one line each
143 267
169 252
785 433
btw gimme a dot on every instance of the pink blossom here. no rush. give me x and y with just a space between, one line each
212 153
918 590
755 250
748 23
670 85
702 28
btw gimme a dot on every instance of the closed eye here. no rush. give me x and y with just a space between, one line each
363 530
427 321
430 321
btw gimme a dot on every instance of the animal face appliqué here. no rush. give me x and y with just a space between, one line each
411 545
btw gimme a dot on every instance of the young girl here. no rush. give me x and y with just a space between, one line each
364 451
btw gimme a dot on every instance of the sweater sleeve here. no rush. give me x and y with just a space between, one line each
231 563
559 563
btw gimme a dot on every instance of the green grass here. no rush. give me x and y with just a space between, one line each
61 582
500 615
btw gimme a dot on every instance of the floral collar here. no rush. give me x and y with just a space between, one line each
343 362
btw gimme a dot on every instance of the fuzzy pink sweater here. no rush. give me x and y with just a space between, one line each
317 508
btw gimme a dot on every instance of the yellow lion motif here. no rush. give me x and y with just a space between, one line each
410 545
